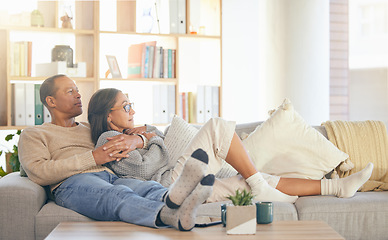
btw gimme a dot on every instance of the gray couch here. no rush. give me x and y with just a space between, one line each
27 213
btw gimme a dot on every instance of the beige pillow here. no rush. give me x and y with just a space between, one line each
285 145
178 136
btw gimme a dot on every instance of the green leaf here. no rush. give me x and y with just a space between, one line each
19 132
9 137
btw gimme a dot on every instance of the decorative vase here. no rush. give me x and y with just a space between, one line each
37 19
62 53
241 219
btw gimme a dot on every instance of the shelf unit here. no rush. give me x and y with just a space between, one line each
90 44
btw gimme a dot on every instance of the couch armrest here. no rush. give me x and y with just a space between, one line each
20 201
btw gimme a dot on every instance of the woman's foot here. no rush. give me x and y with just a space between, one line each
183 218
194 170
265 193
348 186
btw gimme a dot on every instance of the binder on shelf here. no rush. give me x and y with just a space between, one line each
178 16
182 16
47 115
208 98
18 104
171 102
200 104
215 101
38 106
173 16
163 101
30 104
156 104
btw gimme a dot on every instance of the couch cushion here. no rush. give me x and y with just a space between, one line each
51 215
363 216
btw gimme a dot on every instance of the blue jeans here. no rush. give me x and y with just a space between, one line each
104 196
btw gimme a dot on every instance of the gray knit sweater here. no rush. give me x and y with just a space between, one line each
152 163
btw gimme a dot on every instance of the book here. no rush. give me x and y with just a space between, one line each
173 63
151 61
135 52
145 57
156 70
169 62
173 5
165 63
191 107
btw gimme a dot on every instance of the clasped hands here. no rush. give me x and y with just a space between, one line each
119 146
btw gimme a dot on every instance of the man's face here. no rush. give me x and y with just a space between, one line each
67 100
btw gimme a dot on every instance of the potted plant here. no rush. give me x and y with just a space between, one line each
241 216
12 158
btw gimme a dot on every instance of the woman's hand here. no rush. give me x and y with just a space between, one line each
138 130
149 135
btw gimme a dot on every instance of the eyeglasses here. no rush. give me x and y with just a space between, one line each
127 107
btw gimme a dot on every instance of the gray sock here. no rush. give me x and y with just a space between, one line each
194 170
183 218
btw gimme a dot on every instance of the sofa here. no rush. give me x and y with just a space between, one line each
27 212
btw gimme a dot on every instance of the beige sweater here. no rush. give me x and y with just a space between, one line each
50 154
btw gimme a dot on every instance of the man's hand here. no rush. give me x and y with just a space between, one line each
115 149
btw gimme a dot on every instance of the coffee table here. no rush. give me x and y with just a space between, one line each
119 230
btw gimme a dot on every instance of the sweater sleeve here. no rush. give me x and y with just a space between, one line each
146 164
35 157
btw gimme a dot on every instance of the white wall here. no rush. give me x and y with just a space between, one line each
274 49
368 98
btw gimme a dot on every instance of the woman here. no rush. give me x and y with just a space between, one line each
110 113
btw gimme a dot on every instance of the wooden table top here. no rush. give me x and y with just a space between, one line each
278 230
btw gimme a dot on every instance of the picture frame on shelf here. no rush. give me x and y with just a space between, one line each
113 66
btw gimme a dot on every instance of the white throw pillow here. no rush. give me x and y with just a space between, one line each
285 145
178 136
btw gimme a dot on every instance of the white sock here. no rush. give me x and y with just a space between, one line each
183 218
348 186
264 192
194 170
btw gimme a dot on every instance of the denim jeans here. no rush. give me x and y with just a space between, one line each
104 196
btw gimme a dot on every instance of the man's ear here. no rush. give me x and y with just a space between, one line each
50 101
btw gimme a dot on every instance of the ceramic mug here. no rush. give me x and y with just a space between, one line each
223 214
264 212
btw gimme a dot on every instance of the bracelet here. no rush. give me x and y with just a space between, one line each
145 140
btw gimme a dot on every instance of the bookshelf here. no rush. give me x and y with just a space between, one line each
108 28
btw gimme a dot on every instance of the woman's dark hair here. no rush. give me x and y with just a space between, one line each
99 107
48 88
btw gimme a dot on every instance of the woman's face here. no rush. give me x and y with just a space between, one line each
118 118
